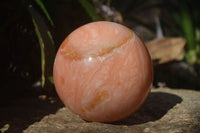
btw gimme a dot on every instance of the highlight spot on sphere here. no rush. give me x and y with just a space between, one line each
103 72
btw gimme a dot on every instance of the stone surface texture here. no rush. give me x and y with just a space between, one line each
165 111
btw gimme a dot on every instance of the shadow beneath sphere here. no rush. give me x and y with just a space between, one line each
154 108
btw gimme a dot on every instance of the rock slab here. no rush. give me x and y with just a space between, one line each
165 111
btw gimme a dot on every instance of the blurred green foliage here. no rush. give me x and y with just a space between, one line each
90 9
46 43
37 13
41 5
45 40
36 16
186 14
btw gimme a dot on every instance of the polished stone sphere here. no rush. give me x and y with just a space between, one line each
103 72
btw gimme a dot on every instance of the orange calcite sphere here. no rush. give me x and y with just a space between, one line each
103 72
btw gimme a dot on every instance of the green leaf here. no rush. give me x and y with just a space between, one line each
197 31
42 50
191 57
89 8
41 5
46 44
51 79
187 26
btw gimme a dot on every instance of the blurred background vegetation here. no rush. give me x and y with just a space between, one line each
32 30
